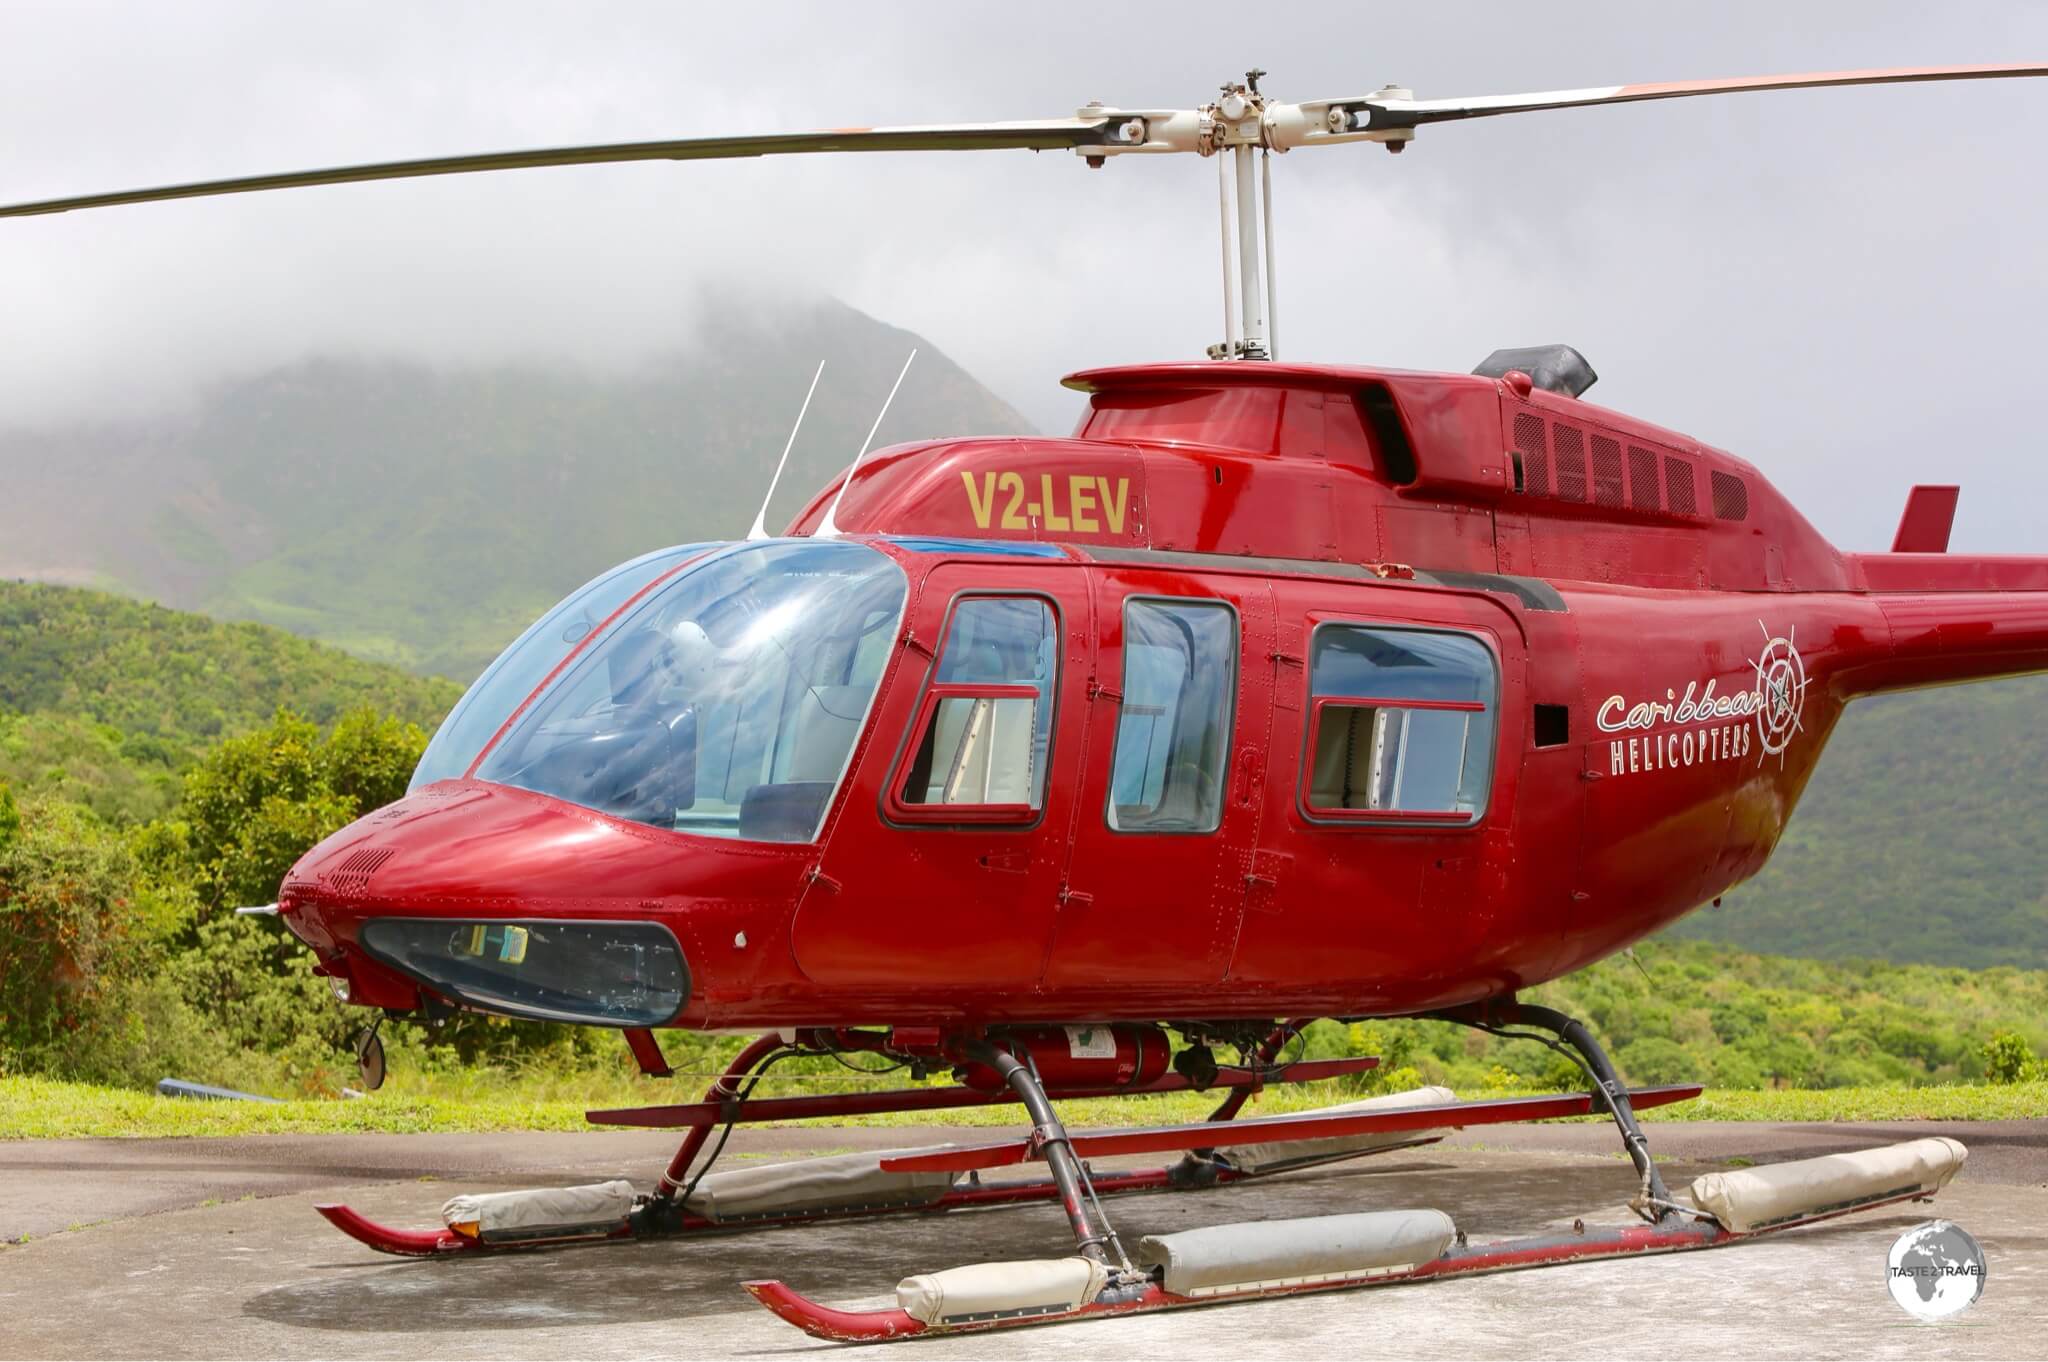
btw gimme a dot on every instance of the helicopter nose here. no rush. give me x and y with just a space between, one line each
473 844
501 900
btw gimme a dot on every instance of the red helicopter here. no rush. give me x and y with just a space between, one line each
1276 692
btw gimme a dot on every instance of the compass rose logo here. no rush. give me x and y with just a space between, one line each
1780 692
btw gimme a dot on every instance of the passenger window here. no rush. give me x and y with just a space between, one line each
1401 724
1173 729
985 727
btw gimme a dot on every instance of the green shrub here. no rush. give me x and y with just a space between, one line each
77 917
2008 1058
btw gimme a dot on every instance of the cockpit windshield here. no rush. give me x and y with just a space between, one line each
490 700
725 703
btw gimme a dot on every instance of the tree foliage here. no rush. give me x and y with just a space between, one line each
1920 838
106 701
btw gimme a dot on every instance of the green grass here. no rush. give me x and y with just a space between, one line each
37 1108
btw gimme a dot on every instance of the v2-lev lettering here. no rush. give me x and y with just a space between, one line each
1093 503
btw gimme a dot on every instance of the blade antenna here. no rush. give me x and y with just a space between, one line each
760 530
829 529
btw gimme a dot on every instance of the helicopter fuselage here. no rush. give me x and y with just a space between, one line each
1278 691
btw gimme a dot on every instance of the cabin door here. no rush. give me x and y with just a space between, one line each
1167 810
942 870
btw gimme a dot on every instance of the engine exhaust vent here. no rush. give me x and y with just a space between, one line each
1553 368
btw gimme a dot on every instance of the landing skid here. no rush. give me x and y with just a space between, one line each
727 1101
1339 1252
878 1326
434 1243
1211 1266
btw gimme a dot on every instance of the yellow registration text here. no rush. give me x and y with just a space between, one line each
1006 501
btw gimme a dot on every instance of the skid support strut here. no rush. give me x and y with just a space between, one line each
726 1091
1652 1202
1050 1138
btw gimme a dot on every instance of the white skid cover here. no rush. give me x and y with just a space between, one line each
1319 1248
1260 1158
838 1182
1036 1286
1758 1198
543 1208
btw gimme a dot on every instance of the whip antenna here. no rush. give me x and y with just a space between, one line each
829 528
760 530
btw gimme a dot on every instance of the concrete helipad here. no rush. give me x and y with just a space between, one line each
211 1249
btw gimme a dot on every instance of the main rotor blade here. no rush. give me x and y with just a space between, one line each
1052 134
1407 113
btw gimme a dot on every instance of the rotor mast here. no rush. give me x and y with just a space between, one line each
1238 126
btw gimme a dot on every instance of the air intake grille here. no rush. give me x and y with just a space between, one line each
1535 457
1571 462
1606 471
1642 480
1731 496
1679 491
352 876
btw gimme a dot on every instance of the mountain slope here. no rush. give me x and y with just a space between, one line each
423 516
105 700
1923 836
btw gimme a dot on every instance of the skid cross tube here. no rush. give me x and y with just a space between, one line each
716 1110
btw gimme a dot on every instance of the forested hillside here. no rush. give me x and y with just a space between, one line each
1923 836
423 516
106 700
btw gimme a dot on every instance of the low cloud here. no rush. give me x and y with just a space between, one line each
1841 286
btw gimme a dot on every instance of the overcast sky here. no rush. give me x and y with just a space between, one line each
1844 286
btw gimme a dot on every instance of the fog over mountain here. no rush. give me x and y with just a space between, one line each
423 514
1841 285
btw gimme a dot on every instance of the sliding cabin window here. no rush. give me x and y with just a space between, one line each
984 727
1401 726
1173 724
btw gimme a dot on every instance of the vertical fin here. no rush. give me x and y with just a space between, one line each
1930 515
829 527
760 530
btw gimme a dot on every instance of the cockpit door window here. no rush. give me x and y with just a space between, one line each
983 733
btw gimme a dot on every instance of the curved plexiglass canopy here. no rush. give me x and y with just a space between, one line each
726 702
491 698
